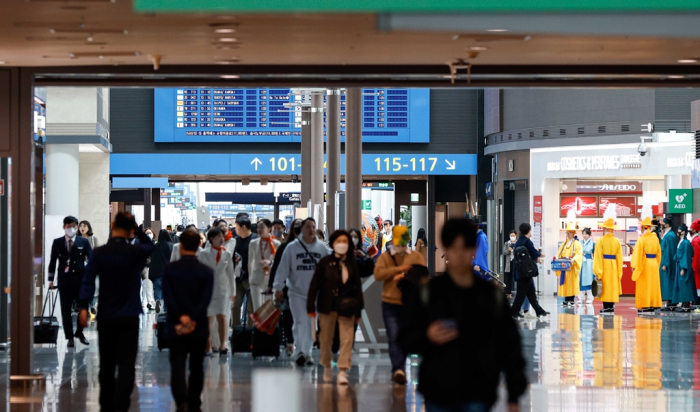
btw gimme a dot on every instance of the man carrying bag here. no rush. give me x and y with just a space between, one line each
525 262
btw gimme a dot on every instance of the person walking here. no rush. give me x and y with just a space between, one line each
569 284
244 236
481 257
684 291
261 254
220 260
462 329
296 270
187 287
119 265
508 262
586 277
162 253
525 286
391 267
173 235
335 293
667 271
287 320
422 244
607 263
71 252
85 230
695 243
646 262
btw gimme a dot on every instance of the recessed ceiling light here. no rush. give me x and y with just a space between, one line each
230 76
225 30
676 76
687 61
497 30
478 48
2 62
225 17
228 40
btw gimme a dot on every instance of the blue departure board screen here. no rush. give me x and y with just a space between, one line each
262 115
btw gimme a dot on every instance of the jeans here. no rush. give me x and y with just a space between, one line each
460 407
118 346
158 292
242 291
184 391
525 288
526 304
392 322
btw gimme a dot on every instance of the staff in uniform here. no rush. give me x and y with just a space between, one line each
569 285
646 260
586 278
684 291
607 263
667 271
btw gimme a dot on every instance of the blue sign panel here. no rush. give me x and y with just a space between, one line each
139 182
265 115
286 164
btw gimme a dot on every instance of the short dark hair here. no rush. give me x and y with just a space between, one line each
217 222
308 219
124 220
190 240
70 220
190 226
244 221
169 227
455 228
278 222
525 228
180 228
214 232
586 230
242 214
513 232
86 223
265 222
388 222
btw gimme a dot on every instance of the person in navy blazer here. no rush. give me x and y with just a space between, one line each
71 252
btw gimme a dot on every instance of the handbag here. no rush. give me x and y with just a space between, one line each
349 306
597 288
266 317
46 328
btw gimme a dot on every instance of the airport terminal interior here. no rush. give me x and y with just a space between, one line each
568 127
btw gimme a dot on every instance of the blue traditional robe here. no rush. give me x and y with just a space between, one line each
669 244
586 275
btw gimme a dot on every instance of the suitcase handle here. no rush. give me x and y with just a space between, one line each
48 298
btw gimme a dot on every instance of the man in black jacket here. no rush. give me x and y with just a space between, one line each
187 290
525 286
70 251
462 327
119 265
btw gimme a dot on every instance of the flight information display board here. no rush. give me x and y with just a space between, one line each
263 115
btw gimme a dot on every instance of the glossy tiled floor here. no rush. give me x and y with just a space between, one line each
576 362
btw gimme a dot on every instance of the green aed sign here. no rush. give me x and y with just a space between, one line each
680 201
389 6
366 205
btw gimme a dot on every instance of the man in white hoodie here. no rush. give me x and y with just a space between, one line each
297 270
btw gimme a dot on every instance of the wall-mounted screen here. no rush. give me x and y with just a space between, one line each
264 115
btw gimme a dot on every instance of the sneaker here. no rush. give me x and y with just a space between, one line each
343 378
399 377
158 307
667 309
290 350
308 361
543 315
518 317
327 375
530 315
301 360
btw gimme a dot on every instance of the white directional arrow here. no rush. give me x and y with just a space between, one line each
451 166
256 162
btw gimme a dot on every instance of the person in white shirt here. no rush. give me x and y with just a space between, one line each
175 256
221 261
261 254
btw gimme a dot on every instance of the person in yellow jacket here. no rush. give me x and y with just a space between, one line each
607 263
569 285
646 259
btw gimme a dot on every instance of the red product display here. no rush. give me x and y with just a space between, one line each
626 205
583 205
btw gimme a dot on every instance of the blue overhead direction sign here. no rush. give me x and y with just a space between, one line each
391 164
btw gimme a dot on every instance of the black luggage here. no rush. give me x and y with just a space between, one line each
242 336
266 345
160 331
46 327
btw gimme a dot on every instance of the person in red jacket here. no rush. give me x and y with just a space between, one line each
695 241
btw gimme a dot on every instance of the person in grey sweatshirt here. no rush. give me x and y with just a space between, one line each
296 270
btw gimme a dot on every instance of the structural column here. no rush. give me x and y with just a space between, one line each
147 203
317 154
332 155
305 156
353 158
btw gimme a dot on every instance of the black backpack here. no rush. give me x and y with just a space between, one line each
524 265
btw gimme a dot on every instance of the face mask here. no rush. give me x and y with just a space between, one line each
278 234
400 249
340 248
150 235
355 241
71 231
512 238
297 230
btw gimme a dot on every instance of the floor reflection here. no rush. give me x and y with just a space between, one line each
575 361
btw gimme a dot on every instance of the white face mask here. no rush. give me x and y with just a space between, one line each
340 248
150 235
400 249
512 238
71 231
355 241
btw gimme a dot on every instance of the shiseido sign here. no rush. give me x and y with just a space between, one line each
600 186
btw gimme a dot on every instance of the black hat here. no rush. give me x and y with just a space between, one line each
683 228
668 221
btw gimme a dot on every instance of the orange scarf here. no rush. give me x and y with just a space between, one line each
269 239
218 253
228 236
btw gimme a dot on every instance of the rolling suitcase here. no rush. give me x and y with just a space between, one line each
160 331
242 336
46 327
265 344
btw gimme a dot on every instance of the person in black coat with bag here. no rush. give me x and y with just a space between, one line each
71 252
336 294
525 285
159 259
